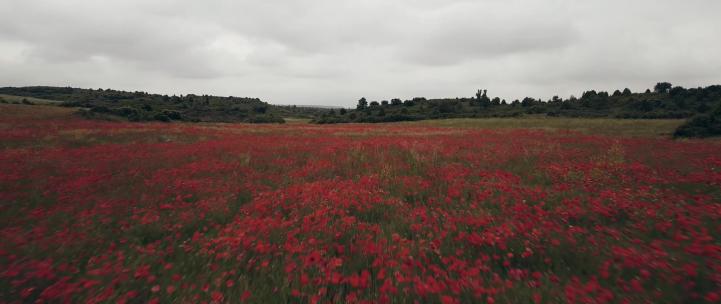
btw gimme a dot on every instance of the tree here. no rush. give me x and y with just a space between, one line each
384 103
362 103
528 101
662 87
374 104
677 91
588 94
342 111
626 92
481 94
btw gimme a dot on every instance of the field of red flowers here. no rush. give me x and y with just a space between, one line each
94 211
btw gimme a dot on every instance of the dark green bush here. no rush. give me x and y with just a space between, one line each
174 115
126 111
100 109
702 125
265 119
161 117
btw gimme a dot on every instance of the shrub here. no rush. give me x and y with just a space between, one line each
174 115
260 109
100 109
265 119
126 111
161 117
702 125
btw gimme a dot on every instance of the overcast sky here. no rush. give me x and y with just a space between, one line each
332 52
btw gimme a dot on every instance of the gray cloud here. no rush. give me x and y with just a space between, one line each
333 52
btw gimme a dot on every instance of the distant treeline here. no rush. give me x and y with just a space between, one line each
142 106
665 101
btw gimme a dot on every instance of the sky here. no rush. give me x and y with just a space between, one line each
332 52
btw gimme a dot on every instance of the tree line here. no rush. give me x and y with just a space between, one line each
664 101
142 106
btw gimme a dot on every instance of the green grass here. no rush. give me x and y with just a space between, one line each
296 120
604 126
32 100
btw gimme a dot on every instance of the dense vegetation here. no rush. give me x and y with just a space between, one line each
702 125
665 101
141 106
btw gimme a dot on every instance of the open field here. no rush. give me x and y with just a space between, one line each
603 126
453 211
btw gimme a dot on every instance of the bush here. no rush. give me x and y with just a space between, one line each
126 111
265 119
703 125
260 109
174 115
161 117
100 109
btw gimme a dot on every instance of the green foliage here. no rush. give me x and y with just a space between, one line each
141 106
161 117
174 115
666 102
295 111
662 87
362 104
702 125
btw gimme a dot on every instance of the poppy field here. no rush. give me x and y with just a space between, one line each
100 211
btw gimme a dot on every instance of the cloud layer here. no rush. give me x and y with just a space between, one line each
327 52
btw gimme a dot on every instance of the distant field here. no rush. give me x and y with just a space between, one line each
293 120
19 99
15 112
452 211
606 126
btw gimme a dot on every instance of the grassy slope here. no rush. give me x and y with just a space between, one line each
18 99
33 112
